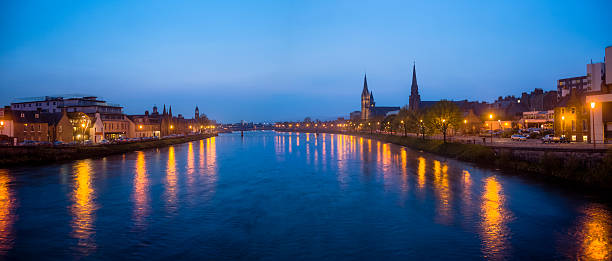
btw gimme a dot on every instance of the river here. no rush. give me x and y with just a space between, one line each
292 196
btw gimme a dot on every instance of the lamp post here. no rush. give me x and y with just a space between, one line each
444 129
83 133
491 126
563 126
405 131
593 124
422 129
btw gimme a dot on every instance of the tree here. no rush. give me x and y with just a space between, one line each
442 115
408 120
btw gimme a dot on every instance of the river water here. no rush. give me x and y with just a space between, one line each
271 196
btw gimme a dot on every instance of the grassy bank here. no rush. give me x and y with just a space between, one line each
23 156
590 172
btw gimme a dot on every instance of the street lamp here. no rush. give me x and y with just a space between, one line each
422 129
593 124
405 131
444 129
491 126
563 126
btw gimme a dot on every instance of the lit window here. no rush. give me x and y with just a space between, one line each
573 137
585 138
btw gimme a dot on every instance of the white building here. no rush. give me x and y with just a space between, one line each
599 100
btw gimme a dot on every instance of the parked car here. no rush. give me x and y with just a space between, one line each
105 142
518 137
58 143
549 138
28 143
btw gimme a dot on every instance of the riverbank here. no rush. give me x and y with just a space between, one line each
20 156
591 170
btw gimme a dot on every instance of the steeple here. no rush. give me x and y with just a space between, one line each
414 99
365 91
197 113
415 87
170 111
164 111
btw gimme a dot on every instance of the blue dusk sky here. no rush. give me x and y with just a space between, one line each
284 60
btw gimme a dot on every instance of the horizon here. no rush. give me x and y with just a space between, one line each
275 61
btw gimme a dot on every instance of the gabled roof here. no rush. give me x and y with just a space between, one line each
30 117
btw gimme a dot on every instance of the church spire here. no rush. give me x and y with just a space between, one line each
365 91
164 111
414 99
415 87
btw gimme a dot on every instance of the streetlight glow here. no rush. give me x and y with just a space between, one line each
592 105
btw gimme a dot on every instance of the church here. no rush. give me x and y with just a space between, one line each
369 110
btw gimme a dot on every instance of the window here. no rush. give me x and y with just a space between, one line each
585 138
562 110
22 115
584 125
573 110
573 137
573 125
36 115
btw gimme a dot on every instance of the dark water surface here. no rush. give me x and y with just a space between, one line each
277 196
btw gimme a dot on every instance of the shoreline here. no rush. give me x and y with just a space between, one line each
591 172
31 156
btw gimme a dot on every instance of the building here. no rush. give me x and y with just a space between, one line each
572 116
30 125
564 86
43 104
368 105
147 125
599 100
538 119
539 100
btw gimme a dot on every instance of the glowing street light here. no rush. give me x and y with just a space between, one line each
491 118
563 125
593 124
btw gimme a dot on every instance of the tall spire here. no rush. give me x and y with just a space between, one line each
170 111
164 111
414 99
415 87
365 91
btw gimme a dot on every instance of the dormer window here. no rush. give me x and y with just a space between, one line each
22 115
36 115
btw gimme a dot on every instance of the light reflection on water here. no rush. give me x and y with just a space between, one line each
595 233
7 212
279 195
495 216
171 180
141 190
83 207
